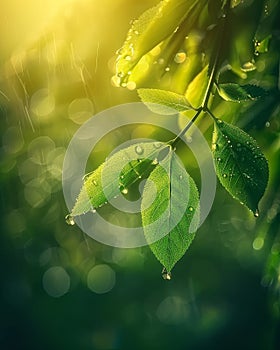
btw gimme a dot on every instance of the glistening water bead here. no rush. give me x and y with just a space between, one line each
69 220
165 274
139 149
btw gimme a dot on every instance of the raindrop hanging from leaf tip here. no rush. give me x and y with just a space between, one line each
165 274
69 220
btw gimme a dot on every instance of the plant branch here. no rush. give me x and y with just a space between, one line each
173 142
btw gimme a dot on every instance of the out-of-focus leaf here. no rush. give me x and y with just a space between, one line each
152 27
174 212
240 165
163 102
197 88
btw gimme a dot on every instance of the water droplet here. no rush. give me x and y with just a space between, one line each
139 149
256 213
122 176
219 121
248 66
190 208
165 274
131 85
219 159
93 210
180 177
267 124
127 58
258 243
167 69
136 32
69 220
224 175
266 11
139 177
155 161
228 141
94 182
180 57
156 51
125 191
214 146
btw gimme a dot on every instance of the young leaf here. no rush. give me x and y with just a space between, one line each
237 93
111 178
163 102
240 165
197 87
174 213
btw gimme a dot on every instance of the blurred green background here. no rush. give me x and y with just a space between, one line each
61 289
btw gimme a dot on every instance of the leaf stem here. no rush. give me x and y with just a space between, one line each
173 142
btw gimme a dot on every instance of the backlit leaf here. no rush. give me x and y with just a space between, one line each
150 29
171 220
163 102
114 176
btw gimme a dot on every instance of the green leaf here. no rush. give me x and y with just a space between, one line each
240 165
262 46
171 220
114 176
196 90
237 93
150 29
163 102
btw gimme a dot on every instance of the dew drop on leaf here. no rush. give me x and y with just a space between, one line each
69 220
191 209
256 213
180 177
224 175
131 85
157 144
125 191
127 58
94 182
139 149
